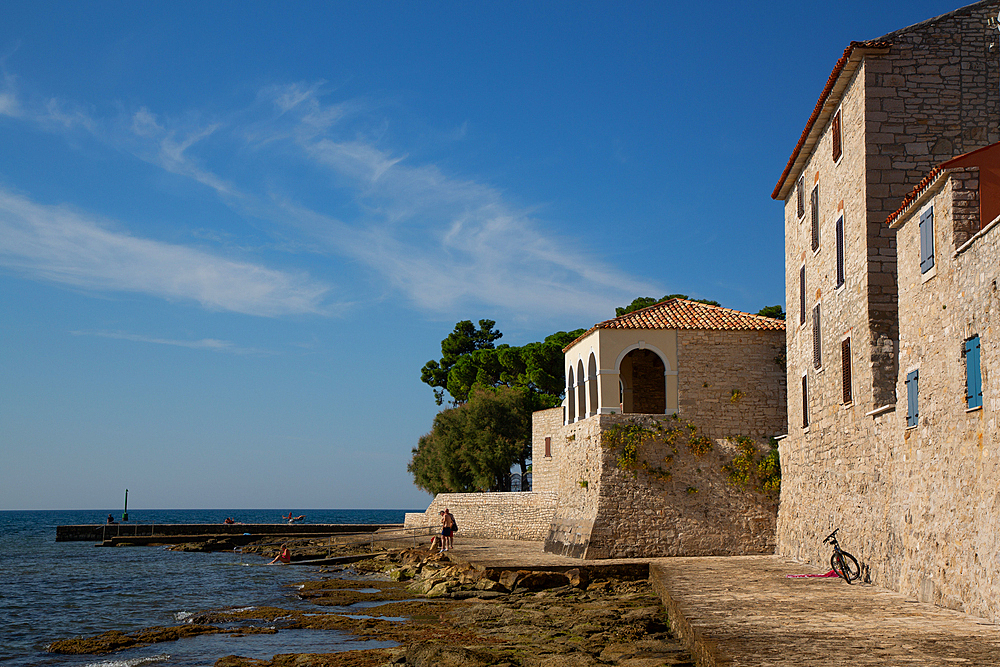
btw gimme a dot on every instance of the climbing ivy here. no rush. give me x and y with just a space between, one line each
629 438
750 469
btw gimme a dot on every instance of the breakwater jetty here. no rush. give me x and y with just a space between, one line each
174 533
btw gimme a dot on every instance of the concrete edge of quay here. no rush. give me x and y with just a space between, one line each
704 651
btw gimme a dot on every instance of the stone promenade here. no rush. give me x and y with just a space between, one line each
744 610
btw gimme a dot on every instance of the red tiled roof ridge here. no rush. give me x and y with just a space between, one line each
686 314
915 193
957 162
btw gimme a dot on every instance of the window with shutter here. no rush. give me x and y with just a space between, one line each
927 240
837 146
840 251
802 294
800 197
845 365
973 374
817 341
814 215
912 412
805 402
548 447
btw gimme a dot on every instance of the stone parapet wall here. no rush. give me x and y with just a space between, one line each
496 516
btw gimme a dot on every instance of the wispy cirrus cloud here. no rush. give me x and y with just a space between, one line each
61 245
444 241
209 344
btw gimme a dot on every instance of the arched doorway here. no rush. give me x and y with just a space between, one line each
642 376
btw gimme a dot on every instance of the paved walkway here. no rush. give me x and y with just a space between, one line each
742 611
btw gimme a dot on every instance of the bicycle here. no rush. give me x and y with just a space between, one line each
844 564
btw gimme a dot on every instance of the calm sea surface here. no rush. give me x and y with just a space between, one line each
51 590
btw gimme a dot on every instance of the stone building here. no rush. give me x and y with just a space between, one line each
673 364
892 110
718 369
945 462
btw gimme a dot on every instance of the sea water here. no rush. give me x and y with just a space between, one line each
58 590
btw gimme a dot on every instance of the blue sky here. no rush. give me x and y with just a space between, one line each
232 233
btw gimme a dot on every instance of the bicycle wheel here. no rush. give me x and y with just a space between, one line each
846 566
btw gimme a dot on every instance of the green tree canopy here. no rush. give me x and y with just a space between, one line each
471 360
777 312
473 446
646 301
464 340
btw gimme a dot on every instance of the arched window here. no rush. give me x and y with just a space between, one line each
581 391
570 397
592 386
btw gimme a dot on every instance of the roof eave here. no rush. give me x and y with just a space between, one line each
827 103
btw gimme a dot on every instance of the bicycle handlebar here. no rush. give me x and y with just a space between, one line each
831 536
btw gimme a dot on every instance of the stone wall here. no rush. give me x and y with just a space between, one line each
494 516
905 509
945 470
607 512
732 382
544 472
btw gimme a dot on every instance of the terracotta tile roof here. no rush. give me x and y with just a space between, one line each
684 314
855 49
985 158
914 195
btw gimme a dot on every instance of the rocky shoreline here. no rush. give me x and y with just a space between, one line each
444 613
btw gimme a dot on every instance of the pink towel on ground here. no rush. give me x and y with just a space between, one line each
831 573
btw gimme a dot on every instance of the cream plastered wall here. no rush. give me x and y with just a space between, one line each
609 347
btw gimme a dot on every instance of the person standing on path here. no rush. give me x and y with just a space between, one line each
448 530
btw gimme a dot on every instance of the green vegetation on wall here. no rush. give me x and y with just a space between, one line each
633 439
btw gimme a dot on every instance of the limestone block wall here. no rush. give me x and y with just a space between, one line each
932 96
695 512
946 469
544 469
497 516
606 512
715 365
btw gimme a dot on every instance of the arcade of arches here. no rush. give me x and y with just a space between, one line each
641 380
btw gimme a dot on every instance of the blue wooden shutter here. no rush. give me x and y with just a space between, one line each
805 402
911 399
973 374
926 240
840 251
814 216
802 294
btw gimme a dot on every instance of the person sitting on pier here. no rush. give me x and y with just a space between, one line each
284 556
111 519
